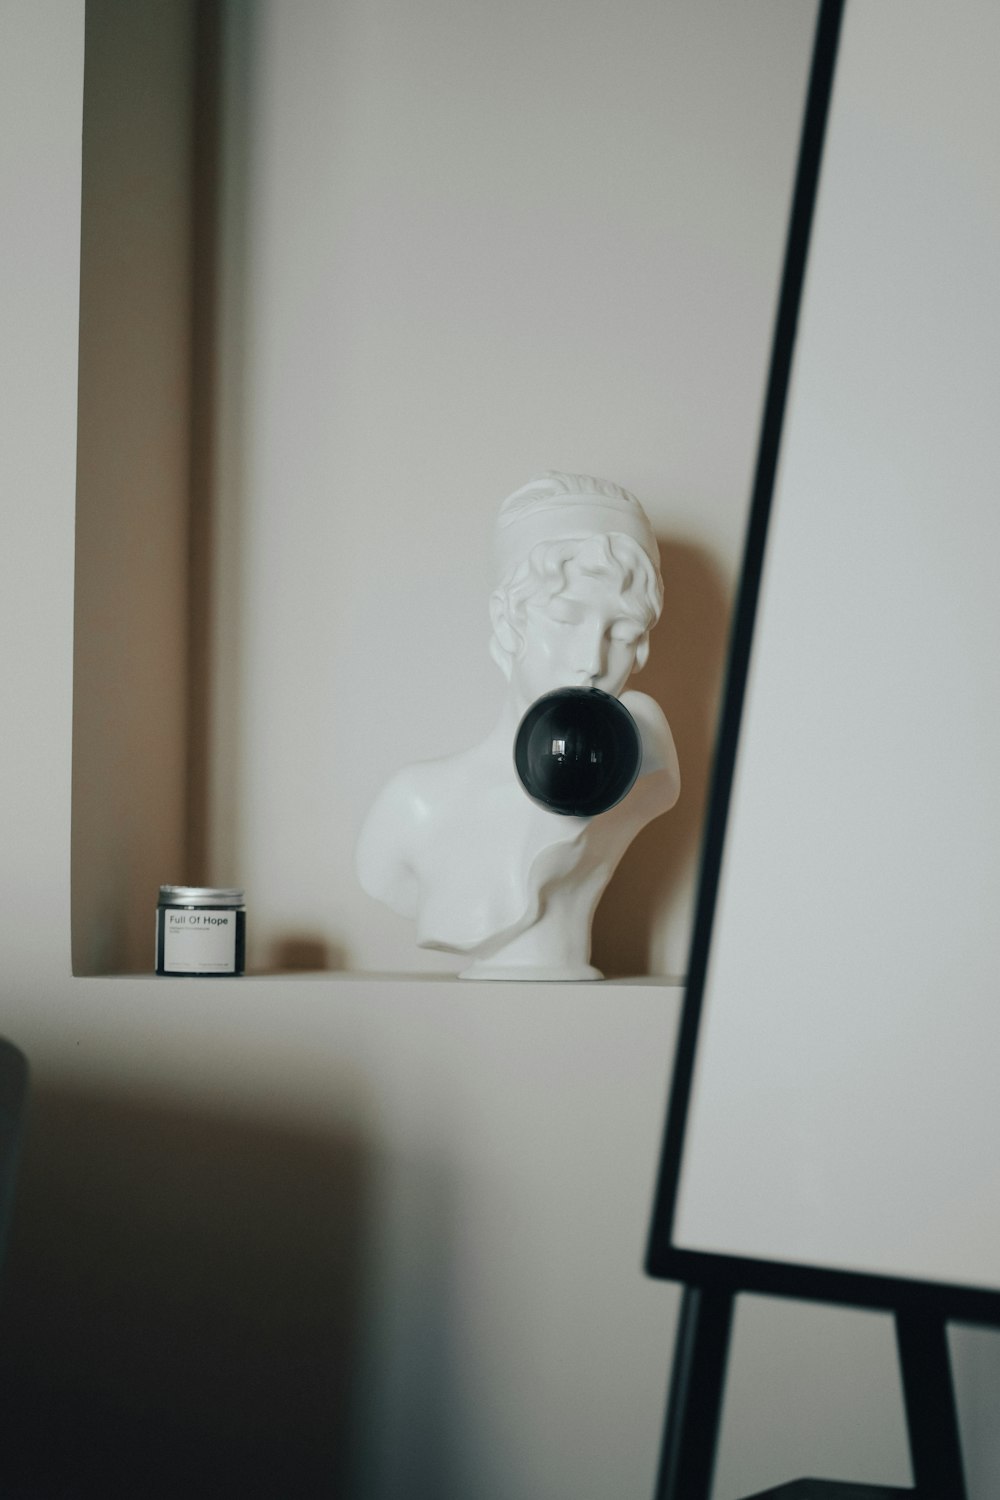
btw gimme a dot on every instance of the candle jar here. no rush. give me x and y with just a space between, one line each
200 931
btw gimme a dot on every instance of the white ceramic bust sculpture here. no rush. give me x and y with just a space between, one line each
456 843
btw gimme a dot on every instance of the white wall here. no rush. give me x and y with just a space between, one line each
285 1234
246 1210
273 1234
464 243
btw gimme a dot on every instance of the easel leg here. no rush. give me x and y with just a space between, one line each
931 1413
696 1389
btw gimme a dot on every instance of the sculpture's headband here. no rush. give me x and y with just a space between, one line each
560 508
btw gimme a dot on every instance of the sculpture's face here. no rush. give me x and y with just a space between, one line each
583 637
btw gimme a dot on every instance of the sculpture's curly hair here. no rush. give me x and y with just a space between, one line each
545 573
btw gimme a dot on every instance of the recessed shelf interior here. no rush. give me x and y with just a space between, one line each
332 311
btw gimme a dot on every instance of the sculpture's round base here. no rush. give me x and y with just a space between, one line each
483 969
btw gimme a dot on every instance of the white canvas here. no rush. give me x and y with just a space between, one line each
845 1109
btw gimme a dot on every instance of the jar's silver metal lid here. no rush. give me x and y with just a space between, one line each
200 895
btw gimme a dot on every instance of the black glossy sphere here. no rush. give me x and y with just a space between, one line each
577 751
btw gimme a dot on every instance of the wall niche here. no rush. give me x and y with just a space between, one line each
350 275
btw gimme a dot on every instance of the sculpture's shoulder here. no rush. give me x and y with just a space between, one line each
408 798
396 828
382 856
659 753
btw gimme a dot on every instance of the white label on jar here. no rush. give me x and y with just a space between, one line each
199 942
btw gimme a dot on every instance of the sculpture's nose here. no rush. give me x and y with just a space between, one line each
591 655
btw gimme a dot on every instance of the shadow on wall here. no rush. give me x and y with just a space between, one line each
182 1306
305 953
684 675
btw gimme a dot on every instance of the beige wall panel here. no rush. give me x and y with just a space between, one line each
133 468
463 243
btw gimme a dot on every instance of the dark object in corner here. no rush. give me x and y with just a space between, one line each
13 1096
